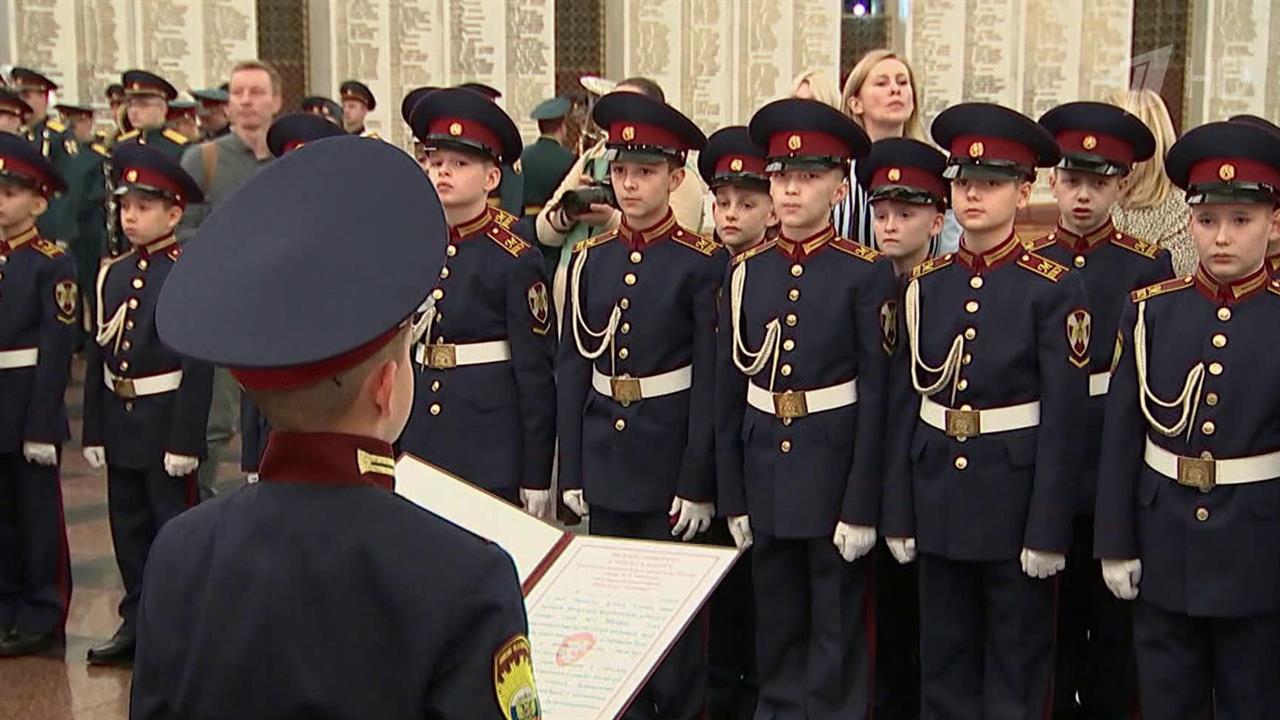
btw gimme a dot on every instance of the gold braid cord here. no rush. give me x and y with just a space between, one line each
949 371
748 361
579 322
1188 400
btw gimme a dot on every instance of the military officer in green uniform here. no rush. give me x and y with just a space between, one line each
56 144
545 163
85 172
147 97
181 118
212 112
12 110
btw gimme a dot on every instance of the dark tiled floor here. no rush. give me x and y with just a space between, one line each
60 686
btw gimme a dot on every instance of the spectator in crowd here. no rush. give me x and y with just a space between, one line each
816 85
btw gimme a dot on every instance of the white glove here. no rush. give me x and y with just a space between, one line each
574 501
96 456
854 541
691 517
40 453
1122 577
740 529
1042 565
903 549
251 478
536 502
180 465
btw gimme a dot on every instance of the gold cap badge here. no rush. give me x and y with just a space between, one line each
794 142
455 129
895 174
1090 142
977 149
735 165
1227 172
131 176
628 133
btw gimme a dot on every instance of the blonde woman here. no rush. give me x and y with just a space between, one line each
816 85
880 95
1150 207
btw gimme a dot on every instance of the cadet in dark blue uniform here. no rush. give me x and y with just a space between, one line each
1187 510
636 373
485 410
509 195
39 308
145 407
317 592
1099 144
989 391
800 400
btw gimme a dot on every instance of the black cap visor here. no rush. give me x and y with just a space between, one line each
645 153
987 170
1232 193
905 194
749 181
449 142
1092 164
805 162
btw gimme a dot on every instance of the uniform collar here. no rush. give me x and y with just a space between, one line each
1233 292
637 239
799 250
1083 243
328 459
157 246
1004 252
1273 264
21 239
463 230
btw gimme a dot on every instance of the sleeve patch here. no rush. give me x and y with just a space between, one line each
513 680
539 307
67 296
1079 328
888 326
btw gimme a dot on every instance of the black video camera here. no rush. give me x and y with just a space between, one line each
578 202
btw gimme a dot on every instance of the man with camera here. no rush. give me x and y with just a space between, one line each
590 208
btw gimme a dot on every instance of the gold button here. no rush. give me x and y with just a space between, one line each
451 251
435 386
128 325
124 365
963 384
1211 399
1224 314
128 407
970 333
966 407
623 353
435 408
1208 427
133 303
126 345
962 462
437 294
966 359
626 328
1078 261
1202 514
636 257
629 278
786 422
794 294
975 282
619 424
971 306
797 270
785 446
791 320
1206 455
142 264
1215 368
444 272
624 303
785 370
788 344
1219 340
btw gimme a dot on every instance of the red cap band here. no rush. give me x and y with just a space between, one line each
293 145
911 177
1113 149
1233 170
631 133
465 131
14 166
809 143
146 88
978 147
151 178
728 164
297 376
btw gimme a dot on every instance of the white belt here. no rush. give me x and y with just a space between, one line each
626 389
971 423
1099 384
1204 474
442 356
14 359
130 388
798 403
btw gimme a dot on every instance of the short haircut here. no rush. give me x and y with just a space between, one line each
277 84
646 87
550 125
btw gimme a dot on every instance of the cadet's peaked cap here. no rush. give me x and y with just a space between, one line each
466 120
1226 162
12 103
551 108
1098 138
292 131
806 133
28 79
904 169
141 82
640 126
1256 121
490 92
23 163
135 166
731 157
993 141
411 99
356 90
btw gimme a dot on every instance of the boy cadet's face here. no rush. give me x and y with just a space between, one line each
742 215
19 206
802 199
1084 199
461 179
1231 239
146 218
985 205
903 228
644 189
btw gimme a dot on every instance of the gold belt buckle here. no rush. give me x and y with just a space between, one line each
790 405
625 389
1198 473
124 389
963 423
442 356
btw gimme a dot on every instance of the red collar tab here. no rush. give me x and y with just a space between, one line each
1007 250
328 459
1233 292
1083 243
800 250
472 226
296 376
637 239
974 149
19 240
157 246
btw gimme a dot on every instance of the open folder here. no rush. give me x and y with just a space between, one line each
602 611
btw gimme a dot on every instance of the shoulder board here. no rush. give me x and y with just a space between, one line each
175 136
101 149
1133 244
504 218
858 250
129 135
928 266
55 125
371 135
1042 266
1038 244
600 239
757 250
1160 288
507 240
47 248
701 243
